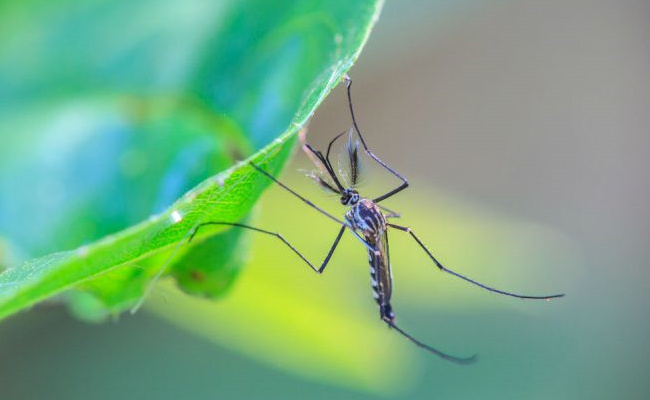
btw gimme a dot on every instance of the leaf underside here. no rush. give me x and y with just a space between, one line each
113 136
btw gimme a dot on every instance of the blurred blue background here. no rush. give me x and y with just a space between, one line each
530 115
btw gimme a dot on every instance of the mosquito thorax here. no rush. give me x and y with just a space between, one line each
349 197
366 217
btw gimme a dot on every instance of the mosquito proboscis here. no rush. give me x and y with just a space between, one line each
367 220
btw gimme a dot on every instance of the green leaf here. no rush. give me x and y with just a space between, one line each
118 114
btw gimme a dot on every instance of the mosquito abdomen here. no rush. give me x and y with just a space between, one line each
385 309
381 282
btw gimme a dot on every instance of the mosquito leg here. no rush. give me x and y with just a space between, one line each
365 243
445 356
456 274
330 216
404 185
323 164
279 236
388 212
309 203
329 146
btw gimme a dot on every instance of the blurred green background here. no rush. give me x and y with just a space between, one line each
523 128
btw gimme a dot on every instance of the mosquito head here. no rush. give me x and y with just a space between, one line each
349 197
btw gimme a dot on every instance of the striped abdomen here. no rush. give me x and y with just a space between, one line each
381 277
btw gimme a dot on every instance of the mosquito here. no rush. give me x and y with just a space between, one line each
366 220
